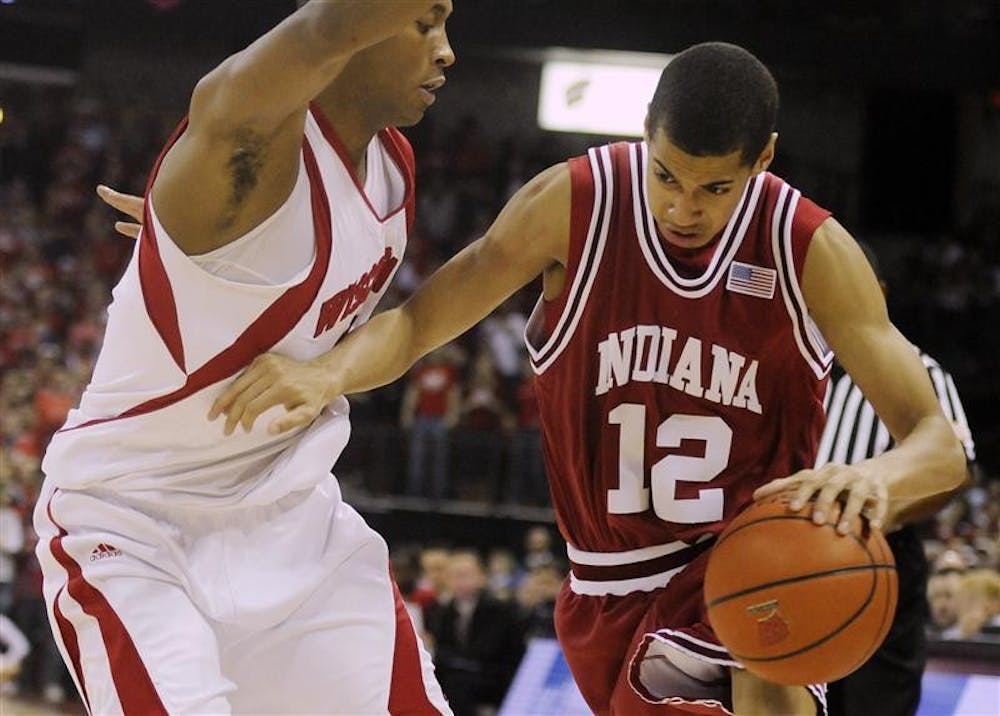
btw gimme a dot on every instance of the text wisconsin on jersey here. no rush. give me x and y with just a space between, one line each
346 301
643 354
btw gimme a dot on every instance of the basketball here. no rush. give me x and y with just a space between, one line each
797 603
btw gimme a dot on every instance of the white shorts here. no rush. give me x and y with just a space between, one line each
284 609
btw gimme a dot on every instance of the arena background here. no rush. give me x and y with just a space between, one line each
890 117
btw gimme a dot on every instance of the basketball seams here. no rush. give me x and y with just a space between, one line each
879 564
800 578
822 640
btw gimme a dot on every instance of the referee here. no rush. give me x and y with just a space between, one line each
889 683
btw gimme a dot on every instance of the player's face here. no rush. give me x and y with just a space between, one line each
692 198
401 74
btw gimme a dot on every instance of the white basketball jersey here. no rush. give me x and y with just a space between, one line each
179 333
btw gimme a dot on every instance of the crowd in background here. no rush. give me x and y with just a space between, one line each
462 425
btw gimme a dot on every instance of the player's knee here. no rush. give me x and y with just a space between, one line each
667 672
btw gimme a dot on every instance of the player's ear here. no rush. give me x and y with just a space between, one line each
645 126
766 155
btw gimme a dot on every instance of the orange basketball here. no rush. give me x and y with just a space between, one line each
797 603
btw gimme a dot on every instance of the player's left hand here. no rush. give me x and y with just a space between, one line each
127 204
272 380
858 490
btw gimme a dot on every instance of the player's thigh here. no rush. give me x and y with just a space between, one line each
334 654
131 637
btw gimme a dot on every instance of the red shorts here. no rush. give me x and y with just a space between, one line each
604 639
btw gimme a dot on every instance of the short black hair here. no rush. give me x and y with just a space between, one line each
713 99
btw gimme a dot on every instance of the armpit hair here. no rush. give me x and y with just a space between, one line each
245 163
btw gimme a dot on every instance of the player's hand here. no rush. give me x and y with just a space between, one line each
860 493
272 379
125 203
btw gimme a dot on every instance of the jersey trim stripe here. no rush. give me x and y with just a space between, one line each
388 140
402 154
269 327
157 293
607 559
72 646
583 281
134 687
407 687
817 356
621 587
652 246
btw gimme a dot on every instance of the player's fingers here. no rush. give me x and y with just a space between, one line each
824 499
230 394
773 487
856 501
125 203
881 508
127 228
805 489
276 394
236 412
300 416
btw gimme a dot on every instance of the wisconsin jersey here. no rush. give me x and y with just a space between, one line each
668 394
178 335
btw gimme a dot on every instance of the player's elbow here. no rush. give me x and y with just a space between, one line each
954 458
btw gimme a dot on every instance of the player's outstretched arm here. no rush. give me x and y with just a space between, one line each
241 147
530 235
844 299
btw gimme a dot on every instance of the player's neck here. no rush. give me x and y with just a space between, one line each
354 131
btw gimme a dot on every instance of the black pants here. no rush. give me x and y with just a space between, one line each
889 683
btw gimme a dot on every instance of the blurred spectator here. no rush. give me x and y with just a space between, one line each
942 594
979 604
433 581
526 483
503 333
430 410
405 562
11 544
483 408
537 598
477 637
14 647
504 574
538 548
479 445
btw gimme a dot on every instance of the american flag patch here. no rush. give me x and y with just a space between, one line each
751 280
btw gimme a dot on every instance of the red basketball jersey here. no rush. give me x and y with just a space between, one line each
666 399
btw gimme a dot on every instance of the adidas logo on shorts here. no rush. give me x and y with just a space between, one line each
104 551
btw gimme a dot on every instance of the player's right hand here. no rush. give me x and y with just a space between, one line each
127 204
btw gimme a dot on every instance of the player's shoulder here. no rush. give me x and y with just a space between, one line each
779 196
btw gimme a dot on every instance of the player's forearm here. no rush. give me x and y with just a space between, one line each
926 465
283 70
372 356
347 26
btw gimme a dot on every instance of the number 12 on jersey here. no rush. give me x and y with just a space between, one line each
632 496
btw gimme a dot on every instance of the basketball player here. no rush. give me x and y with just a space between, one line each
680 350
191 572
854 433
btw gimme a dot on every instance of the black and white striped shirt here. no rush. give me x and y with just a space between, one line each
854 432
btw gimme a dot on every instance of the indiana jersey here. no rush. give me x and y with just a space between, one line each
668 395
179 334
